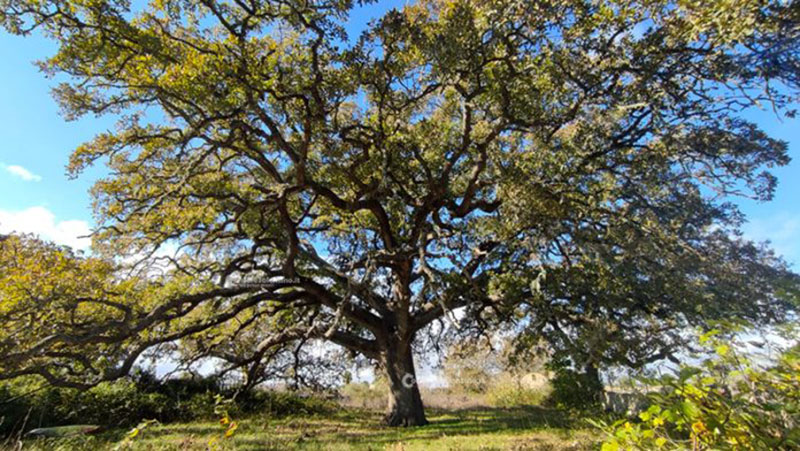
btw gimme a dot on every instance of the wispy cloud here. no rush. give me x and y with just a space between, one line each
19 171
42 222
782 230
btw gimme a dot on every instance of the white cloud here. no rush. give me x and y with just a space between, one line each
42 222
19 171
781 230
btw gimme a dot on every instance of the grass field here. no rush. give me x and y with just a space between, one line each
529 428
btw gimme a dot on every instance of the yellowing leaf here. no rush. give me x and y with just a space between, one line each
231 429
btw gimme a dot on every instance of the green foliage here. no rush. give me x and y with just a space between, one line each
729 401
507 391
31 404
572 389
127 402
281 404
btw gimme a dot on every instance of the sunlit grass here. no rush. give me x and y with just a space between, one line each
529 428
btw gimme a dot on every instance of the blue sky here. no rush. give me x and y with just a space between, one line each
36 142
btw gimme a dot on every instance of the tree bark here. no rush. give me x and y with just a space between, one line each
405 403
594 384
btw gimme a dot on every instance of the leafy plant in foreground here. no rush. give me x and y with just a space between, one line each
728 401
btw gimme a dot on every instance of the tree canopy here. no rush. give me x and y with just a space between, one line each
565 165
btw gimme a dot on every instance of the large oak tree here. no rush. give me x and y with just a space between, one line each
565 164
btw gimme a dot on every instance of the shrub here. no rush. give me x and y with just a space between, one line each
727 402
574 390
30 403
507 391
288 403
27 403
197 405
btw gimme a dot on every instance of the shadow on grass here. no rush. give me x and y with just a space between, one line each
528 417
361 429
462 422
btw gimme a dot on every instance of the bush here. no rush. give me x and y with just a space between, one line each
279 403
198 406
508 391
727 402
574 390
27 403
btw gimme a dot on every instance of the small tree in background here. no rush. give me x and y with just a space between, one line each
562 165
475 366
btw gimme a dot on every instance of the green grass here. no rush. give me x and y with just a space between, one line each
529 428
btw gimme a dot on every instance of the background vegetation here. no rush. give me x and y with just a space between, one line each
27 403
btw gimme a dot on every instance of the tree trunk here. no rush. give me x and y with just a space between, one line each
594 384
405 403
